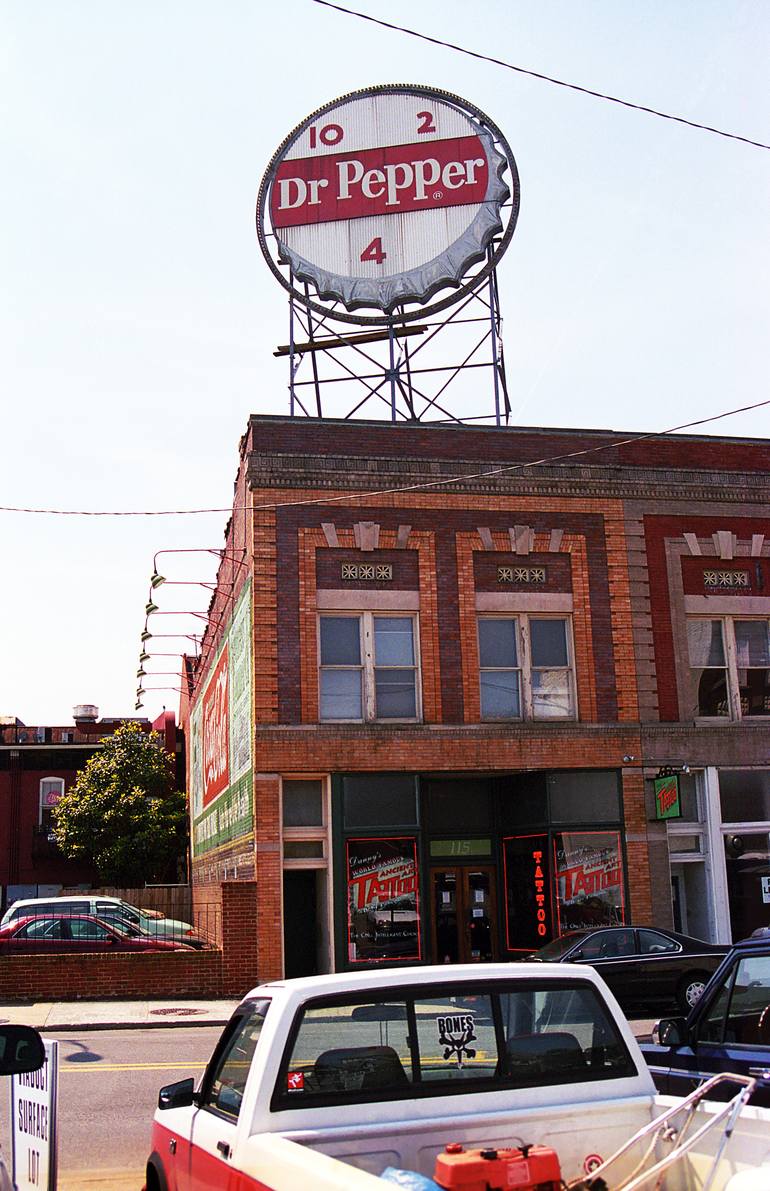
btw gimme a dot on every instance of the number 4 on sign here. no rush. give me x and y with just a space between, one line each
374 251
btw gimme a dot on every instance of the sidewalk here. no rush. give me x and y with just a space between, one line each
117 1015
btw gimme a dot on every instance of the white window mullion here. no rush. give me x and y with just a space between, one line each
525 662
731 662
367 630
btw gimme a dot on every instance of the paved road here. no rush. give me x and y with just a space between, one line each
108 1089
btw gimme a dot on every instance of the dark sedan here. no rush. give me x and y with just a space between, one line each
728 1029
51 934
644 966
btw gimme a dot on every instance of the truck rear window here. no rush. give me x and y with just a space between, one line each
444 1039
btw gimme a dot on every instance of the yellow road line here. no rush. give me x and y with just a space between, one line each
66 1067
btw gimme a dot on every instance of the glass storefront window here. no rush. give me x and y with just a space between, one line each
589 879
744 795
383 902
685 842
747 860
303 849
583 797
379 800
303 804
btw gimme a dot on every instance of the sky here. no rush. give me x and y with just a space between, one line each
138 318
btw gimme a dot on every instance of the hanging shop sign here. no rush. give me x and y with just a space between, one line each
667 802
383 905
385 197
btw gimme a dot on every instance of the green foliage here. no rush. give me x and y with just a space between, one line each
121 814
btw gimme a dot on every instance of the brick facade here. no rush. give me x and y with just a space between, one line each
445 509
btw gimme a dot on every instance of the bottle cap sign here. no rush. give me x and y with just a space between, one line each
388 196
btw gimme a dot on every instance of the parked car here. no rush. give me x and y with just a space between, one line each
48 934
644 966
21 1052
727 1030
108 909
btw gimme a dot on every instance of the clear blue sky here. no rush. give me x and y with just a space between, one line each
138 319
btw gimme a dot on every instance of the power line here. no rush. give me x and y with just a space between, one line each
448 45
420 486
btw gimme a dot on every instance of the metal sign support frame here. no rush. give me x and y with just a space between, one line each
380 361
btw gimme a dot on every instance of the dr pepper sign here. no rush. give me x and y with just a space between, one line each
387 196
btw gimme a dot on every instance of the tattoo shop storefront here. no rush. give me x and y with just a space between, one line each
439 869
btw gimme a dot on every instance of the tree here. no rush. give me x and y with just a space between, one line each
121 815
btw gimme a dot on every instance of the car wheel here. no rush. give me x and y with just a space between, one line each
690 990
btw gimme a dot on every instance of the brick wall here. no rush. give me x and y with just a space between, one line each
228 972
127 976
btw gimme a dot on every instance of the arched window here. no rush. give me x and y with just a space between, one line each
51 790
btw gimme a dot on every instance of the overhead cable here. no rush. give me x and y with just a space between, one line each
419 486
545 78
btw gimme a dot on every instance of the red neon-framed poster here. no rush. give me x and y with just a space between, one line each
588 868
383 900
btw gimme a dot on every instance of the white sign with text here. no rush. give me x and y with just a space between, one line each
33 1124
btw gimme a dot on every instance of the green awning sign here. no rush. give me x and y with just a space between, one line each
667 804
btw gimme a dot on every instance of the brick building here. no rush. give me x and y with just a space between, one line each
37 765
444 668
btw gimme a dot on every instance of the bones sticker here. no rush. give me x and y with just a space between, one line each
454 1034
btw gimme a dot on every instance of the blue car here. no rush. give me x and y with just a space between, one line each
727 1030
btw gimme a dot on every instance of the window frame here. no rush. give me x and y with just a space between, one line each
238 1023
368 668
731 667
526 669
417 1089
48 821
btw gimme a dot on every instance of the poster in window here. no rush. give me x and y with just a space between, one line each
528 920
589 879
383 904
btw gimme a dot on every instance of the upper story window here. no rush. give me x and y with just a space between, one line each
368 667
526 670
730 660
51 790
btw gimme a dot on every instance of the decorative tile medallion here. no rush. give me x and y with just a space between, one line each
521 574
726 578
368 570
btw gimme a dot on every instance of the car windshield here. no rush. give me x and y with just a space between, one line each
559 946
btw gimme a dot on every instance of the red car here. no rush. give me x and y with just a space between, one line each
48 934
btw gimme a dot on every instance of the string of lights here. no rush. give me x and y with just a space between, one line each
638 107
420 486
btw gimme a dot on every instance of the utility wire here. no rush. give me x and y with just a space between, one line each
420 486
448 45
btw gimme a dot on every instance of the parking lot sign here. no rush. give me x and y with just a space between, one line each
33 1124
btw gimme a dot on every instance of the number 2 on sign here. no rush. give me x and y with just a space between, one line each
374 251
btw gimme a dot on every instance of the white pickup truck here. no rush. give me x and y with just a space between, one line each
326 1082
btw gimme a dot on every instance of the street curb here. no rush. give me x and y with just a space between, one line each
132 1025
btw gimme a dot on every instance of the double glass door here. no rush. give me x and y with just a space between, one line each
463 913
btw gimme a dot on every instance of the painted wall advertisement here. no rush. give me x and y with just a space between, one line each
383 903
221 787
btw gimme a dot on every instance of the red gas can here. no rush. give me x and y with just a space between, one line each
528 1168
